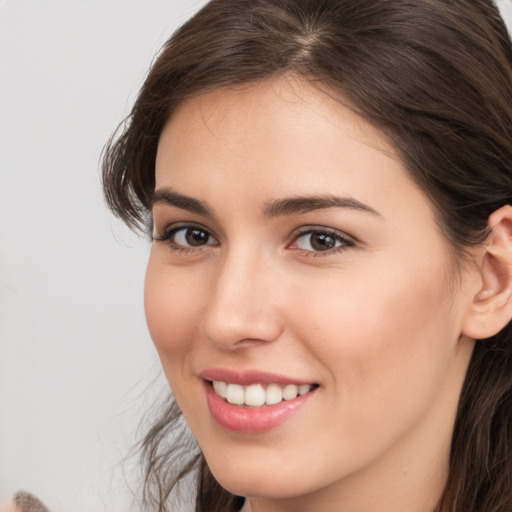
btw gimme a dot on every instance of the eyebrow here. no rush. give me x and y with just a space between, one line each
275 208
170 197
305 204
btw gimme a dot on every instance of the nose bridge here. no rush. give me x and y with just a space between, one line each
241 307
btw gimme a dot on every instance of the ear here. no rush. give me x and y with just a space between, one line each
491 309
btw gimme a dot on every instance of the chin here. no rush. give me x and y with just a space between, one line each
262 480
267 487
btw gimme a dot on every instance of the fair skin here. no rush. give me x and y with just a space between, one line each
359 297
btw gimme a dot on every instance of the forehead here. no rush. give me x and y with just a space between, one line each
280 100
286 118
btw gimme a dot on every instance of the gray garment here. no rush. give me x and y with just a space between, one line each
26 502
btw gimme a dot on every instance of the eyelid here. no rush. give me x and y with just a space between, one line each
313 228
166 234
348 241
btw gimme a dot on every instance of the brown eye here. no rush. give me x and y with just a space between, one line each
196 237
321 241
192 237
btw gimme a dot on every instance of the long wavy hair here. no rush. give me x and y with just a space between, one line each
436 77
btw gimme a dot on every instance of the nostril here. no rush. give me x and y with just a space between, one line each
241 325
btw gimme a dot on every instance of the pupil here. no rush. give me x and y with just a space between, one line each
322 242
196 237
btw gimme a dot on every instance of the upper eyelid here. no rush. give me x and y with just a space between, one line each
172 227
322 229
166 238
347 241
176 226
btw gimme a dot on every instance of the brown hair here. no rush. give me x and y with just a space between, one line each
436 77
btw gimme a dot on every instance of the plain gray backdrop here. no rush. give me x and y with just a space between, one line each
75 355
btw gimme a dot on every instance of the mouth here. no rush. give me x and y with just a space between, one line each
252 401
260 394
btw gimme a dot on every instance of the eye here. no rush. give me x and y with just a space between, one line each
320 241
187 237
192 237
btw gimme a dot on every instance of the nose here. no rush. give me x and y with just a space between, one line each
242 309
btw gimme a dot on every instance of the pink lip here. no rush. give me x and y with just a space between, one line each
248 377
250 419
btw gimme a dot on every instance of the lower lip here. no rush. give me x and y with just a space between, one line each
252 419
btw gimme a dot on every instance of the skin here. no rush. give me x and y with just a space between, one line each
377 322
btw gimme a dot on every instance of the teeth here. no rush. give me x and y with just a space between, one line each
220 388
290 392
256 395
304 389
235 394
273 395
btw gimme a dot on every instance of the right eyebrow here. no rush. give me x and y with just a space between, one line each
170 197
300 205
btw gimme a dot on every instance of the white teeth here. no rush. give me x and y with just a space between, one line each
235 394
290 391
256 395
304 389
220 388
273 395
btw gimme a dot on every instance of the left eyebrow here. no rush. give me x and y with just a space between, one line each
305 204
168 196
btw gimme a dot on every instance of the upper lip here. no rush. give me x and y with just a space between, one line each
248 377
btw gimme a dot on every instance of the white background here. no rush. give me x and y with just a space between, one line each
75 356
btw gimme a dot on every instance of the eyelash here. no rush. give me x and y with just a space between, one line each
345 242
167 237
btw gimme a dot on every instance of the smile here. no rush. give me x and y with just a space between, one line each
258 395
253 401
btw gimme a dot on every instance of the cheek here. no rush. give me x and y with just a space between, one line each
383 335
387 347
172 311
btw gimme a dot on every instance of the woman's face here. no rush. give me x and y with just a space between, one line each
294 255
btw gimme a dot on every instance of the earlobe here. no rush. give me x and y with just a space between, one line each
491 309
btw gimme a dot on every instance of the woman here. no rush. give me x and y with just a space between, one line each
328 187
